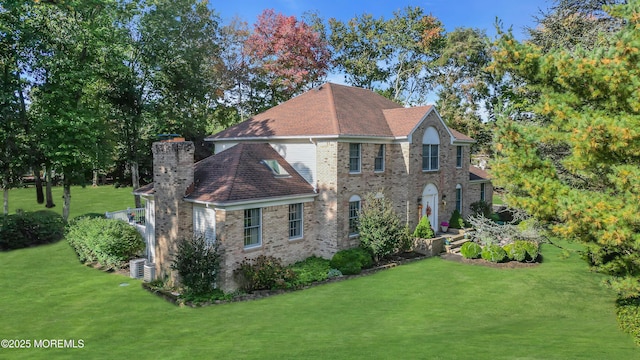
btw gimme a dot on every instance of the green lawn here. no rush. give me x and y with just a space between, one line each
83 200
431 309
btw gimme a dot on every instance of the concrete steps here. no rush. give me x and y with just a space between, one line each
456 238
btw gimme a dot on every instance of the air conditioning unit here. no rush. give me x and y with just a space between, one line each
136 268
149 272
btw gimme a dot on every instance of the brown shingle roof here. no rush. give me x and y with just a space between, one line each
328 110
237 174
333 110
477 174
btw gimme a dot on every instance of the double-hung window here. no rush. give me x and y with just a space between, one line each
482 192
295 221
379 160
354 213
459 198
252 227
430 150
354 158
458 156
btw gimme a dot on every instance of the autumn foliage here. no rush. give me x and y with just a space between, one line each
288 51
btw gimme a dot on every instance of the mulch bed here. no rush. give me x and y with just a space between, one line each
483 262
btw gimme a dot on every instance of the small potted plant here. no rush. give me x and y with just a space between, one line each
444 226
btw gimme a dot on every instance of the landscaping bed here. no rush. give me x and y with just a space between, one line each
483 262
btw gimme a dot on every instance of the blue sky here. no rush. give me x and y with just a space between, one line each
452 13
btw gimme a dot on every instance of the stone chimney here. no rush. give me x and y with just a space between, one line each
172 176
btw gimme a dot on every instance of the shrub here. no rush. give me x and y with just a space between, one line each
471 250
333 273
381 231
481 208
424 230
628 314
310 270
264 273
493 253
25 229
532 249
351 261
515 251
197 263
108 242
456 220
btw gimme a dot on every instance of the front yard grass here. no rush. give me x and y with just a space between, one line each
84 200
429 309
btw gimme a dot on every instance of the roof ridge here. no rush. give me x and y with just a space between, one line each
332 106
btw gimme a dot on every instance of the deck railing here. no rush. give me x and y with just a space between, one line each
132 216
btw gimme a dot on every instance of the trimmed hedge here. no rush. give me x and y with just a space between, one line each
351 261
111 243
25 229
470 250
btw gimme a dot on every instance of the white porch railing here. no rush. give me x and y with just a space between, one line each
132 216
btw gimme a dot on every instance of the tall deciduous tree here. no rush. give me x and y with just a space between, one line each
289 56
588 189
14 36
75 37
465 88
393 56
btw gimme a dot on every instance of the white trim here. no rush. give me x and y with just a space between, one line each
259 244
384 155
359 171
252 203
301 222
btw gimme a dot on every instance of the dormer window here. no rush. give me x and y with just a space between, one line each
276 168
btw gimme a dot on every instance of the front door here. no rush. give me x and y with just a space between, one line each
430 205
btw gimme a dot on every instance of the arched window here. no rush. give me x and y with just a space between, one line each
354 212
430 149
459 198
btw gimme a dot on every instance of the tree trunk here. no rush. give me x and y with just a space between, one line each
135 179
38 181
66 195
6 200
95 178
47 174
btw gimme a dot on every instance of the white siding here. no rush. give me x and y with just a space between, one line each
204 222
222 146
302 157
150 230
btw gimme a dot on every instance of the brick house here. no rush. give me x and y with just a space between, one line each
289 182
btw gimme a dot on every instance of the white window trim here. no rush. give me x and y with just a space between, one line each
459 187
384 154
301 207
461 157
244 228
483 191
352 199
429 157
359 171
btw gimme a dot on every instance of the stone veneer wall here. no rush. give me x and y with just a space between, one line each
326 211
172 176
275 239
474 192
